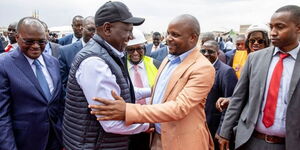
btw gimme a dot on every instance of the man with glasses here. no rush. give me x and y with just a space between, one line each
12 31
30 88
68 52
225 81
142 72
77 29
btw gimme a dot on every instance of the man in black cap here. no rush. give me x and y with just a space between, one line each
97 70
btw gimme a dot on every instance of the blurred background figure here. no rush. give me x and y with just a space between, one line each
156 44
12 31
77 29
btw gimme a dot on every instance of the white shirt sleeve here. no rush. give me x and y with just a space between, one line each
96 80
142 92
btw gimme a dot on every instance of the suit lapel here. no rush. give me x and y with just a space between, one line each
180 69
264 67
295 77
23 64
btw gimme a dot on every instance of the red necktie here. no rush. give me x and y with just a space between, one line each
138 83
8 48
270 107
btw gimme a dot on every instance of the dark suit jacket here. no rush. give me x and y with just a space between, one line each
67 54
27 118
66 39
149 48
160 54
246 101
225 81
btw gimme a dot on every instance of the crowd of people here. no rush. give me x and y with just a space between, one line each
104 87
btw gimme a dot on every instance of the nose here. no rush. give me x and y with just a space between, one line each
273 32
130 36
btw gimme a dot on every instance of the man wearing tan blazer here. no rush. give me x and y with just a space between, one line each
179 95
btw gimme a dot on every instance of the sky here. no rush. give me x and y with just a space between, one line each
213 15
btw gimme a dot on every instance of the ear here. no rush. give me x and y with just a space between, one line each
107 28
298 28
194 37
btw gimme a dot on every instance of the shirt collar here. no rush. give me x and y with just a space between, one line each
120 54
74 39
215 61
40 58
140 65
293 52
82 42
180 58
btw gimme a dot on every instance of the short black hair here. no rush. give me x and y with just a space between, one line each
293 9
156 34
77 17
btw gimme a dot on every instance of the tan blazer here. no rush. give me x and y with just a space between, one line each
182 116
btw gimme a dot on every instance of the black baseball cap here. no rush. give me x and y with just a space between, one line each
116 11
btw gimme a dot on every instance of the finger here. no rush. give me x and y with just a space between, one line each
102 100
104 118
105 113
115 96
227 146
100 107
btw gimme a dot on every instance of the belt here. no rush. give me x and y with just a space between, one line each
269 138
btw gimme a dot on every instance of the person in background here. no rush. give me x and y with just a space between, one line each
257 37
12 32
51 48
142 72
77 29
156 44
210 36
68 52
225 81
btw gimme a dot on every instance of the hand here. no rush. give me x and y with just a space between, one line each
151 128
223 143
111 110
222 103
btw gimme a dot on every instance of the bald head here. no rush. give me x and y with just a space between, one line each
183 34
32 22
206 37
190 22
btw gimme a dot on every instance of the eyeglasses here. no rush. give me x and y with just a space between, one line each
208 51
31 42
131 50
260 41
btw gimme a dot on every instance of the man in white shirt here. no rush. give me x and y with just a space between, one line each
96 70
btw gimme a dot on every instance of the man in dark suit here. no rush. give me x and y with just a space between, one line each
266 99
30 87
225 81
77 29
156 37
68 52
51 48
